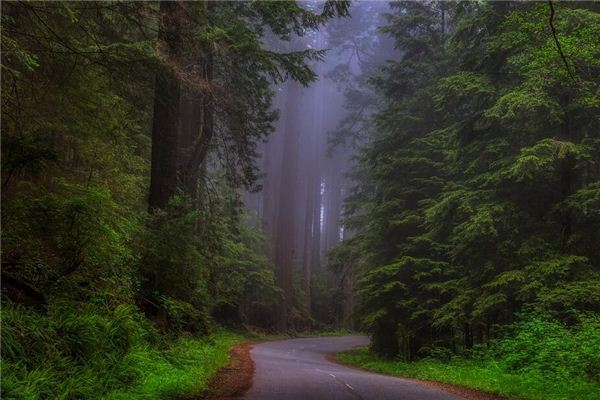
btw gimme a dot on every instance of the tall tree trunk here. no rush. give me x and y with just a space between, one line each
200 150
348 290
267 191
334 205
165 120
272 164
201 126
285 240
190 129
316 247
312 216
309 234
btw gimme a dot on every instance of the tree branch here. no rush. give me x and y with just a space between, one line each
562 55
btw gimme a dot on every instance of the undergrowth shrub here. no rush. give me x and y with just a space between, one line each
75 351
537 358
71 241
181 316
81 351
174 273
547 347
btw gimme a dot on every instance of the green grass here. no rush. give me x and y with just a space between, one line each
181 370
86 351
93 353
259 335
328 333
485 375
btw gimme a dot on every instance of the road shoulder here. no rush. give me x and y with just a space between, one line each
466 393
234 379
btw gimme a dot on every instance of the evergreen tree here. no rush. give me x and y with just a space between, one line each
478 186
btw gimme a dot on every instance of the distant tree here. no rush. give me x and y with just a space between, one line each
229 68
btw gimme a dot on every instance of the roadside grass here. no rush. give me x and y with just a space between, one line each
261 335
484 375
93 353
186 367
328 333
182 370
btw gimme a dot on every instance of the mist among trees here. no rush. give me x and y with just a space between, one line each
177 176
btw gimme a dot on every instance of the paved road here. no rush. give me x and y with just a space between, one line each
296 369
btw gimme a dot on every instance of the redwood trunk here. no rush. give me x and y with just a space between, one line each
165 120
285 238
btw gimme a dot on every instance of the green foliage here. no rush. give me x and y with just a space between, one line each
476 195
77 351
549 348
235 252
539 359
170 244
183 369
198 264
242 278
251 48
71 237
90 352
82 258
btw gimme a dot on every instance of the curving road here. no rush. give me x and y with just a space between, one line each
296 369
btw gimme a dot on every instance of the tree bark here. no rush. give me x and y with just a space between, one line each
334 199
198 112
285 238
165 120
191 127
385 338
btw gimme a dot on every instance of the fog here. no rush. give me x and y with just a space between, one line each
307 160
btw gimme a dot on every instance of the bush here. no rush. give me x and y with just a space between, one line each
71 241
183 317
547 347
538 358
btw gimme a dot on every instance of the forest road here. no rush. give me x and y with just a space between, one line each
297 369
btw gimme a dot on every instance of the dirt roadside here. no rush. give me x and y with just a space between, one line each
233 380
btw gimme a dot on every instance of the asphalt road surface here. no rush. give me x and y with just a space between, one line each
296 369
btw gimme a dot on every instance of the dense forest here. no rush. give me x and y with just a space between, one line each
479 186
425 172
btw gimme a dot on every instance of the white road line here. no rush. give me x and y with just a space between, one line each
332 375
349 387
